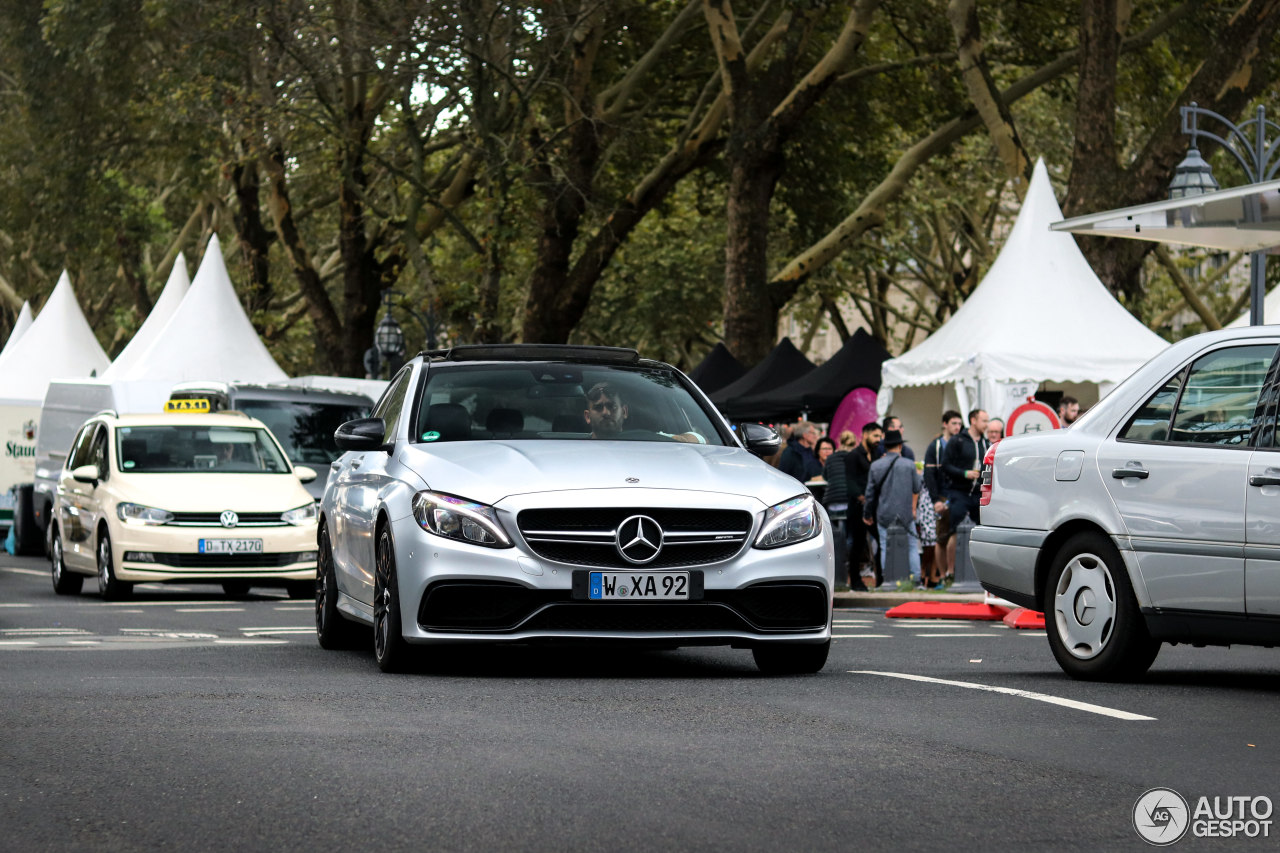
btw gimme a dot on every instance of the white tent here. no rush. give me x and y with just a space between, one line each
1270 311
170 298
58 343
20 327
208 337
1039 315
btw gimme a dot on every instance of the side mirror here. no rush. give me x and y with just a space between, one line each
760 440
86 474
361 434
305 474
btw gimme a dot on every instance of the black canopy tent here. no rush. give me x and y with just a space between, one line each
819 392
780 367
717 370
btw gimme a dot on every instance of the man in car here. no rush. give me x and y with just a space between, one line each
607 414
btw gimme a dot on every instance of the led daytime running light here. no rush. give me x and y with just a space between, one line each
459 519
787 523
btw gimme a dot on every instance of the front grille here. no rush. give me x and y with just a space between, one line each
586 537
232 561
214 519
502 607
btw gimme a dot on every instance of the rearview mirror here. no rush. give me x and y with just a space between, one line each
361 434
305 474
86 474
760 440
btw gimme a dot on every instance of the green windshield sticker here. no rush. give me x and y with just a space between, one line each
430 435
129 463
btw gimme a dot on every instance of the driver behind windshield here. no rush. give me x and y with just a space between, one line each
606 414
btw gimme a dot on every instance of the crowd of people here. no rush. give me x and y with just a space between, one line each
872 481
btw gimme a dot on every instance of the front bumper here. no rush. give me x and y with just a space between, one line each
453 592
288 553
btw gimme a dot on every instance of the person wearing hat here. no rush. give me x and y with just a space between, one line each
893 491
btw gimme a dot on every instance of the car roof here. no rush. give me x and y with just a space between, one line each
219 419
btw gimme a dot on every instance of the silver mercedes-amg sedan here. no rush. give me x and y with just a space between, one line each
558 494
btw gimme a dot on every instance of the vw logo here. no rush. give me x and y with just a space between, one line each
639 539
228 518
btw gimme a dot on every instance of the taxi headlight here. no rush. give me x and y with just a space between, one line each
458 518
302 515
792 521
139 514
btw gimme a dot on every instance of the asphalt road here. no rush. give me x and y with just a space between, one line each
182 720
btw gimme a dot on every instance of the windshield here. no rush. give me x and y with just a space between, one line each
187 449
560 401
305 430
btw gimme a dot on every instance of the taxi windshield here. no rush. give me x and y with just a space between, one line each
174 449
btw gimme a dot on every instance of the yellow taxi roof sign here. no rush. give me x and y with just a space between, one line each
194 405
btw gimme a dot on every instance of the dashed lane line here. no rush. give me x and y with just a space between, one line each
1011 691
958 635
242 641
209 610
862 636
17 571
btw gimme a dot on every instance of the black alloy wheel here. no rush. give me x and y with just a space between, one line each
333 630
64 582
389 646
109 586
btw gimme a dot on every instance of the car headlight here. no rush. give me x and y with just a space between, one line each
789 522
458 518
302 515
139 514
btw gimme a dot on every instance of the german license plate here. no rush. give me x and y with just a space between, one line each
638 586
230 546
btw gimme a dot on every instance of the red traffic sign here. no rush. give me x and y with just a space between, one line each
1030 418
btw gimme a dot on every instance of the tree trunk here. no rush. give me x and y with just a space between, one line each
750 313
253 235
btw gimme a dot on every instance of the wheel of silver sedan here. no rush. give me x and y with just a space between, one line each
332 630
1084 606
1092 619
64 582
389 647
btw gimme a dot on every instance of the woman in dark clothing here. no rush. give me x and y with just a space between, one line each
836 500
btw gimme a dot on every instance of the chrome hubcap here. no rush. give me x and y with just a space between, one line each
1084 606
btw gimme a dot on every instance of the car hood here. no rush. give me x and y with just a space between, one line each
488 471
212 492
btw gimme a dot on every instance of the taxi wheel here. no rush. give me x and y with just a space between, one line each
333 630
1095 628
791 659
64 582
389 647
109 587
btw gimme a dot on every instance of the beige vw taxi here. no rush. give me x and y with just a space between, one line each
182 496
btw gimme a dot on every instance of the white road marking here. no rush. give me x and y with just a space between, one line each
15 604
84 642
1027 633
963 625
160 633
17 642
18 571
295 608
156 603
243 642
956 634
259 632
1010 691
862 636
44 632
209 610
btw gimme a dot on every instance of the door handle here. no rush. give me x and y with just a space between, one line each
1127 473
1258 480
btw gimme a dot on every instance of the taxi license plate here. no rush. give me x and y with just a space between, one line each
638 586
230 546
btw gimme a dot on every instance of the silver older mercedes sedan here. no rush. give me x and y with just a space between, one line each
560 494
1154 518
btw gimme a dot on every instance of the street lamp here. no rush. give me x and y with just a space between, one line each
388 338
1194 177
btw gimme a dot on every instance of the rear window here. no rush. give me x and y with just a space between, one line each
539 401
305 430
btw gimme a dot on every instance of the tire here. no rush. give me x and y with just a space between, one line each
64 582
389 647
26 531
109 587
333 630
299 590
236 589
1095 628
791 658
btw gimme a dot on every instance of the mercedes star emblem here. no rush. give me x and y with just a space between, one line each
639 539
633 479
229 518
